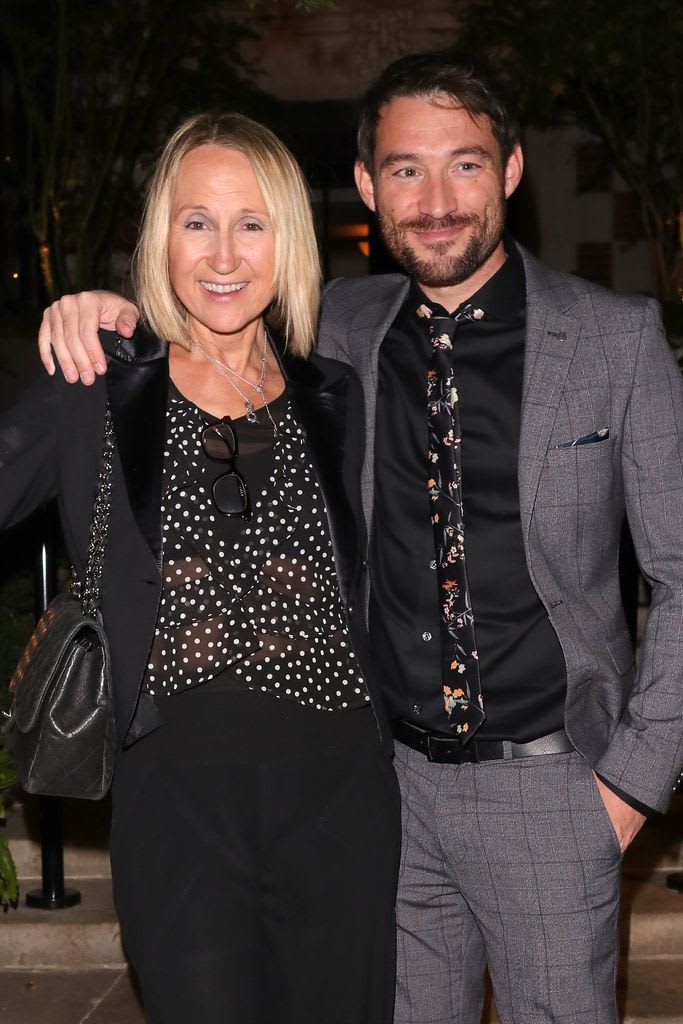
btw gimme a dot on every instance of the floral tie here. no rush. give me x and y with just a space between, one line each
459 659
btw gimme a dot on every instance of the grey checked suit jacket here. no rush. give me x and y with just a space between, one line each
593 359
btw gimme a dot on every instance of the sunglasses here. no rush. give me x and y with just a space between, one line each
229 490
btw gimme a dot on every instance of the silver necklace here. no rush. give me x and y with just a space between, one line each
256 389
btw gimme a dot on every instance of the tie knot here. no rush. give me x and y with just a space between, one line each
468 312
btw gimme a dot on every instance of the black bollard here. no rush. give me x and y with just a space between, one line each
53 895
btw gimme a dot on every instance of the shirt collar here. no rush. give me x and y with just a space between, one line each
502 296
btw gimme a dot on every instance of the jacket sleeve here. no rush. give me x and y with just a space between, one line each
646 752
30 435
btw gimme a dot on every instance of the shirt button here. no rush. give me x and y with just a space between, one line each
426 635
432 564
417 709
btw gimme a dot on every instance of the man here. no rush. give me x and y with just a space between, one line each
513 416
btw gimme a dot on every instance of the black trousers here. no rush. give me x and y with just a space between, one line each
254 856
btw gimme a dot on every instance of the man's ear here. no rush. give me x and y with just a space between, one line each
513 170
364 184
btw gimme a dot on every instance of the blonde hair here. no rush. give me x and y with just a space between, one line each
285 192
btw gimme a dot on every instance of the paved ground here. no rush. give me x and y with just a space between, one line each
69 997
650 992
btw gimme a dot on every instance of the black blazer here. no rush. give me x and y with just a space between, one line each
51 444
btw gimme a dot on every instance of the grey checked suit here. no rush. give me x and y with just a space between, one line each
593 360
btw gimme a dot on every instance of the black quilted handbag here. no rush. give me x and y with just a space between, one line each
62 720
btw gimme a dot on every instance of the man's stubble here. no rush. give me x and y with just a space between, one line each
439 269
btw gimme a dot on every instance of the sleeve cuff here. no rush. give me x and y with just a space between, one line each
630 800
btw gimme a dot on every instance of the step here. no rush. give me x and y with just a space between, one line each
648 992
651 992
86 936
651 917
85 836
660 843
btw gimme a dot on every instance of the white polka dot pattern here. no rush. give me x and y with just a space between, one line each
263 607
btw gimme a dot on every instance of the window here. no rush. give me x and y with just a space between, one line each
593 170
594 262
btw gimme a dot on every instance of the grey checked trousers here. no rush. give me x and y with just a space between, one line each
512 865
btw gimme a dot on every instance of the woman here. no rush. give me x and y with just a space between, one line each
255 812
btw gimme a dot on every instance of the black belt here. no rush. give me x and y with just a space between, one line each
449 750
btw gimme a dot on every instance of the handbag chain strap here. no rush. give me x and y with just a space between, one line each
99 528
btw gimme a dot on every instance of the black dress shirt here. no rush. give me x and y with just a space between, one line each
522 667
523 673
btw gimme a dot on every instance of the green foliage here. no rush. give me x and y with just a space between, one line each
613 67
9 887
8 876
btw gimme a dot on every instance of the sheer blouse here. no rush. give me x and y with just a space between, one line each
253 604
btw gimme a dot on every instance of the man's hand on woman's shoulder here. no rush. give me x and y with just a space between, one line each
68 332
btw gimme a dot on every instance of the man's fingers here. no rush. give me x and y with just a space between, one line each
59 350
69 332
86 336
127 319
44 344
66 343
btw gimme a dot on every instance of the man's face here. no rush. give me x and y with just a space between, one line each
439 190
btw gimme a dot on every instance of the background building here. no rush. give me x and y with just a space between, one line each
572 210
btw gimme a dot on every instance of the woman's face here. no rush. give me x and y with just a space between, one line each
221 249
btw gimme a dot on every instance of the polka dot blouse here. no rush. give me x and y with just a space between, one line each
251 605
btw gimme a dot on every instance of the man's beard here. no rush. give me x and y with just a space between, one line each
442 269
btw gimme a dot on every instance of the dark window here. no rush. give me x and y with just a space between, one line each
594 262
628 218
593 169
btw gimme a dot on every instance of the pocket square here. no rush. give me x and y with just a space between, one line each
597 435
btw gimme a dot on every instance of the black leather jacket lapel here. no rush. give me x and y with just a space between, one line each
137 388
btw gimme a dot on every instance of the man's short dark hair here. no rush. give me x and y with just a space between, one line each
425 75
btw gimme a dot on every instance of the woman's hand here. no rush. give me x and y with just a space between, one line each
69 330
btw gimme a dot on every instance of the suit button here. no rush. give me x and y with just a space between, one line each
349 611
426 636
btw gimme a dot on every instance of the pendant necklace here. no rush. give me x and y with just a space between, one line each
256 388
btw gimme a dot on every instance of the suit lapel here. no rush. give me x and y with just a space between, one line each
367 330
551 340
137 388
